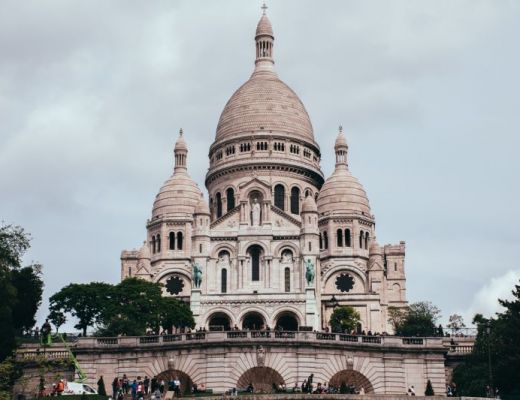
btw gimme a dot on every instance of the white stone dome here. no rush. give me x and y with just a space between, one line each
309 205
202 207
343 194
264 103
178 196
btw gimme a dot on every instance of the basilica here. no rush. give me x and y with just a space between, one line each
276 245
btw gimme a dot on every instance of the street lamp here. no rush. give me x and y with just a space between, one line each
488 332
334 302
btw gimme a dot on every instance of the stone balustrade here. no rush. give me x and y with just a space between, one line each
271 337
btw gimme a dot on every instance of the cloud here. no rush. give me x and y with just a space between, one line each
485 300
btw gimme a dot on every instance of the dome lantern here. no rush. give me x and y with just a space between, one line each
180 153
341 148
264 39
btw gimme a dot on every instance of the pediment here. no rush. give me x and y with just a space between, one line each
280 219
229 221
255 182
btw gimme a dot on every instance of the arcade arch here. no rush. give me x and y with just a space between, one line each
263 379
349 378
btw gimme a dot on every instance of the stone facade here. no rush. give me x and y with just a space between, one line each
277 244
225 360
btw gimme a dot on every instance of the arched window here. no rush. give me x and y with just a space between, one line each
230 196
223 281
279 197
255 253
361 236
295 200
158 244
325 240
347 238
287 279
308 193
153 244
172 240
219 205
179 240
339 238
366 240
321 241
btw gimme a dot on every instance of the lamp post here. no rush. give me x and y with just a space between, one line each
334 302
488 332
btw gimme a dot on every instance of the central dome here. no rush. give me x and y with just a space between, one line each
264 103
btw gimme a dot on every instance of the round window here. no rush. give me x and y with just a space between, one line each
174 285
344 282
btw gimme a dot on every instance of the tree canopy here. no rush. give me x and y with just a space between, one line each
21 287
503 344
417 320
344 319
130 307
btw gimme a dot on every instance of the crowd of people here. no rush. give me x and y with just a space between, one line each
140 388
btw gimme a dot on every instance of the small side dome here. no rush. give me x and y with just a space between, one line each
177 197
202 207
375 249
309 205
144 252
343 194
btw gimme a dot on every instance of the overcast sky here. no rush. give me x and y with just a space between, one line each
93 93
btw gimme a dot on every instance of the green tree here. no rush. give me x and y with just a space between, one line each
88 302
503 344
344 319
57 318
176 313
456 322
419 320
20 288
29 290
429 389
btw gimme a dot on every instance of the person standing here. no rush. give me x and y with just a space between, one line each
146 383
115 387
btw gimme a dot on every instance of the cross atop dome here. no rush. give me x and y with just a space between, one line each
264 8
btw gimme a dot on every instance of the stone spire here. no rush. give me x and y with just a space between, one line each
264 39
181 154
341 148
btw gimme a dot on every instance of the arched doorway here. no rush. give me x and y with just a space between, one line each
170 375
287 321
350 381
219 321
253 321
263 379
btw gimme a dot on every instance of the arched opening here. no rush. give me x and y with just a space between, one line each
172 241
308 193
287 321
287 279
219 321
153 244
339 238
361 235
255 253
158 244
321 241
350 381
179 241
347 238
230 197
279 197
219 205
253 321
263 380
170 375
223 281
295 200
255 203
366 240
